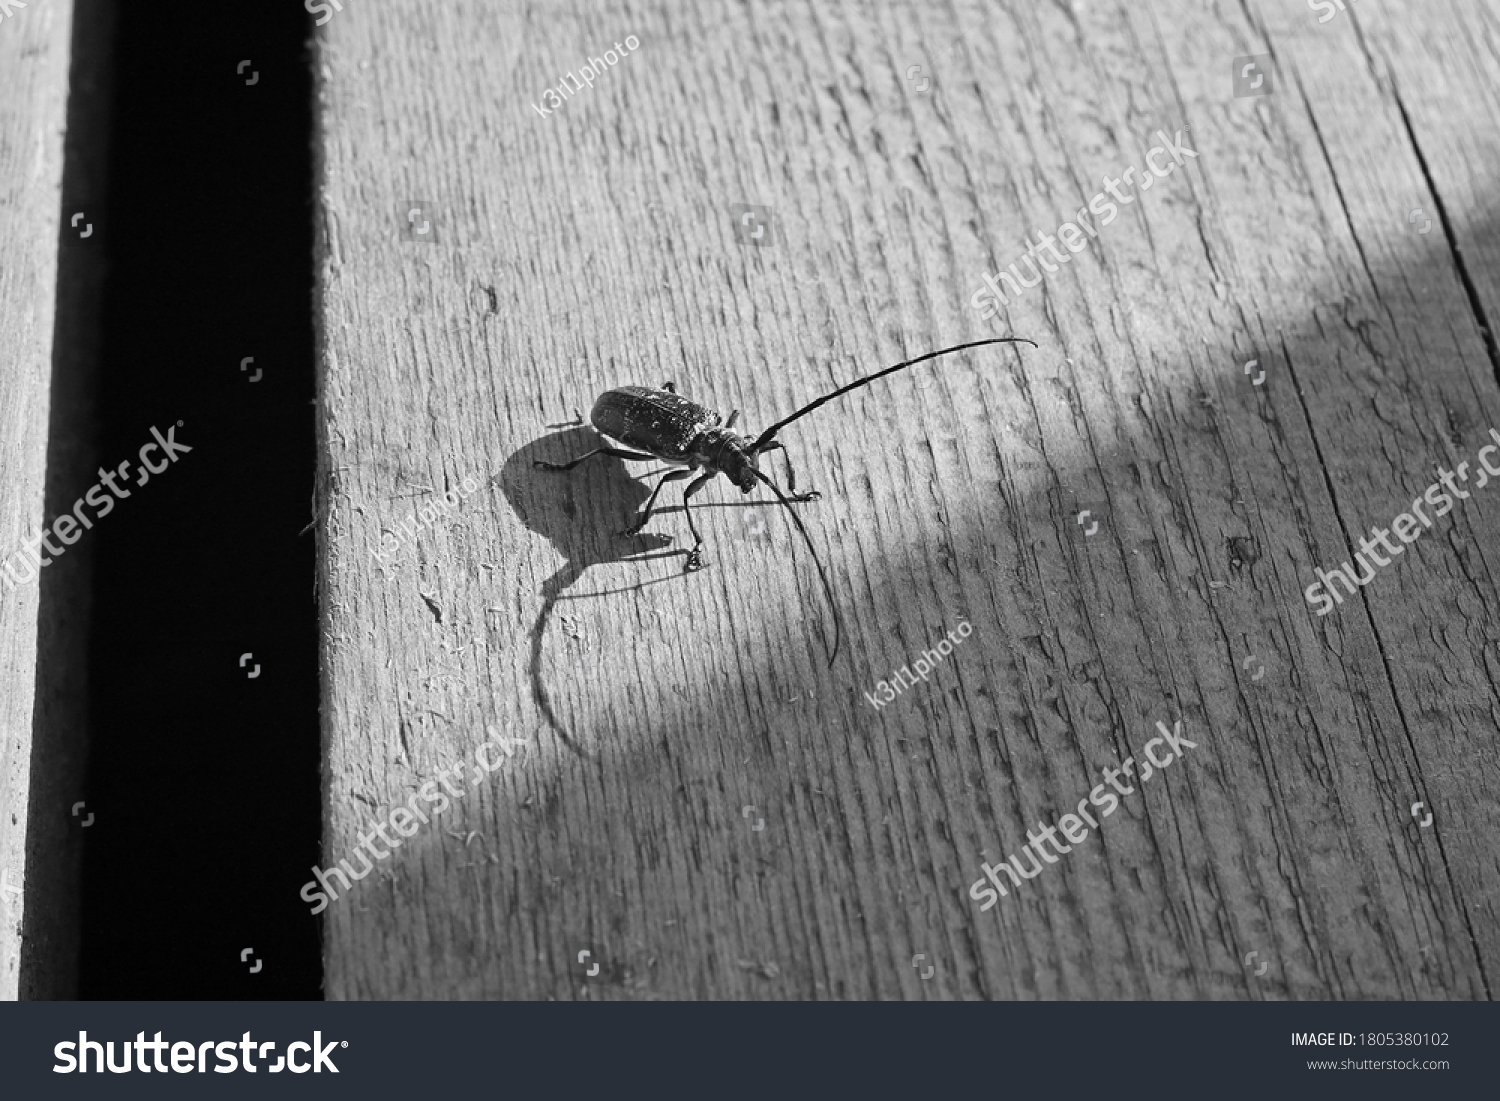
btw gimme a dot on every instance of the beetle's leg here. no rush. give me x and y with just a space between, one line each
694 560
734 415
613 452
670 476
791 474
669 387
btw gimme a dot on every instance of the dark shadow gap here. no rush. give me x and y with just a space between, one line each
203 776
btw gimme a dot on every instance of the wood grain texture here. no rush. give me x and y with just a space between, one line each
596 247
33 101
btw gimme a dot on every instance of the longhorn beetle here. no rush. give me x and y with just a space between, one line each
666 426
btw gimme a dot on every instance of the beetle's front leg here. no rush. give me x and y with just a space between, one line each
791 474
694 559
670 476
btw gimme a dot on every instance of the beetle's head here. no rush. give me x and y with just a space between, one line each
740 465
724 452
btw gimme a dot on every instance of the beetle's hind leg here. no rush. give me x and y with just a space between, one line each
613 452
694 559
791 474
670 476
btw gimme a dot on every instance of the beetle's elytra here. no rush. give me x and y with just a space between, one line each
662 422
664 425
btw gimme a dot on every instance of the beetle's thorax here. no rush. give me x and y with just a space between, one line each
722 451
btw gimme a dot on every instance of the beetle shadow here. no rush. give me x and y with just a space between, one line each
581 512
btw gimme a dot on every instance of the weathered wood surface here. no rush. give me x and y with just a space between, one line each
595 247
34 58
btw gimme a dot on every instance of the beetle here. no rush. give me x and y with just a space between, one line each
664 425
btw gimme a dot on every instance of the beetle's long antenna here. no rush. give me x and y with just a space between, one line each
827 588
766 436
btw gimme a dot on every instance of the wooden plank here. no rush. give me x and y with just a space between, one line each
668 715
1431 253
34 56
